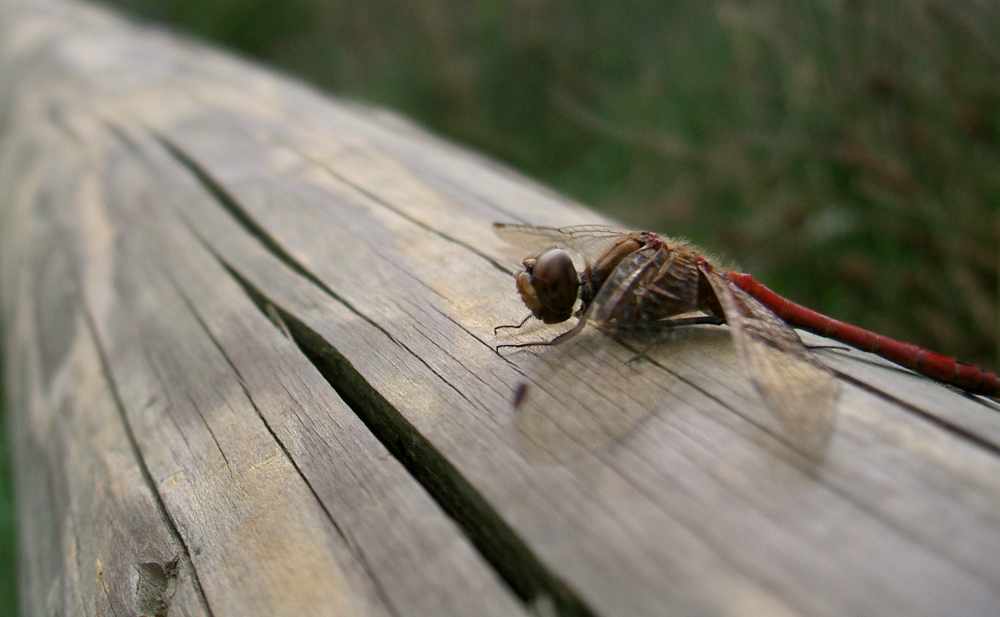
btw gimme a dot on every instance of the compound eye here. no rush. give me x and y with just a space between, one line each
555 267
556 285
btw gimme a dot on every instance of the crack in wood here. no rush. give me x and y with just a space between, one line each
457 360
231 205
210 430
811 470
134 445
499 545
949 427
354 546
425 226
387 205
845 353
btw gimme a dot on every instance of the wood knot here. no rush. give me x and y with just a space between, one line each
154 587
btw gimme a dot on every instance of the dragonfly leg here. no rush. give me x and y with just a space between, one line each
565 336
836 347
514 326
699 320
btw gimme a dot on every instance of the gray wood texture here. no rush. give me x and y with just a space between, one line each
249 351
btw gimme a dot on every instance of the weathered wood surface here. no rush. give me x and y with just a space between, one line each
248 339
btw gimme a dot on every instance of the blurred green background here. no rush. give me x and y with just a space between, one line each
845 152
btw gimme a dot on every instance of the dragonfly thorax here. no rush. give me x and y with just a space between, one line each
549 285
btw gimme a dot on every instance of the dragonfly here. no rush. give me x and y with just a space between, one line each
641 281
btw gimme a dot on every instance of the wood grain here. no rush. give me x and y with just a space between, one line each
279 499
278 308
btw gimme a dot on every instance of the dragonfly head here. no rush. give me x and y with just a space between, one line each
549 285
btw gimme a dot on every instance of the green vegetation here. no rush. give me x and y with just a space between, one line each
844 152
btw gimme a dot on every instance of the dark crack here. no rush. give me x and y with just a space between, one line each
495 540
354 547
401 213
808 464
137 453
231 205
211 432
955 430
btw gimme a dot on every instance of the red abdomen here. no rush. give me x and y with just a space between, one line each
943 368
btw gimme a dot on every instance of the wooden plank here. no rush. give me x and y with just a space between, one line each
749 516
84 471
280 496
363 491
636 489
944 539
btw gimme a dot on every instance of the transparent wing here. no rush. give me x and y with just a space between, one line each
582 396
801 392
585 393
587 240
